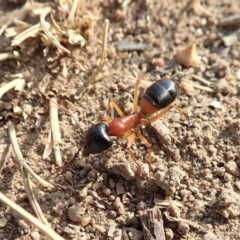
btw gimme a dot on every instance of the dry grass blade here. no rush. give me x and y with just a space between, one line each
30 32
5 56
15 30
20 158
103 57
56 136
31 197
24 173
3 158
196 77
230 21
73 11
201 80
43 13
5 88
49 146
175 219
36 177
207 89
30 218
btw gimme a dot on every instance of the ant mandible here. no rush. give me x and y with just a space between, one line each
159 96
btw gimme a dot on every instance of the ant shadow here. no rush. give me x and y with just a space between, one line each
230 134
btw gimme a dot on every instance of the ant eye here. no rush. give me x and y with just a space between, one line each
96 140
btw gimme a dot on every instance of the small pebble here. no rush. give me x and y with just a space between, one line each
89 199
85 220
169 234
35 235
100 228
92 174
113 214
119 206
111 198
72 200
183 228
145 169
159 62
111 183
81 163
75 212
107 191
210 236
227 177
175 211
3 222
122 86
68 175
141 205
83 193
232 168
120 188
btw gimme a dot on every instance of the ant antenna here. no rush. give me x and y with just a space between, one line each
86 84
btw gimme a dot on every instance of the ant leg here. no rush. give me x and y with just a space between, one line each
147 144
105 119
181 111
127 134
154 118
116 107
162 113
136 91
130 141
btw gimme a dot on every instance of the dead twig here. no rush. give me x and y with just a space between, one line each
24 173
3 157
20 158
152 223
201 79
103 56
50 143
73 11
29 32
19 26
230 21
43 13
13 84
196 77
36 177
55 130
174 219
30 218
5 56
207 89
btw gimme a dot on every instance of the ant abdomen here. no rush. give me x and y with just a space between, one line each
158 96
96 140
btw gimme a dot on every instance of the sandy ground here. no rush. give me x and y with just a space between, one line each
194 175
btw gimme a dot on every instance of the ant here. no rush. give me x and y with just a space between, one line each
159 96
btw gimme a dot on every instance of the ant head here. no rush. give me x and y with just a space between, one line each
96 140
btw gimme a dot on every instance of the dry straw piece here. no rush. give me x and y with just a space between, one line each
188 56
48 231
18 84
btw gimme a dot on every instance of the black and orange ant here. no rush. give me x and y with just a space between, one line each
159 96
